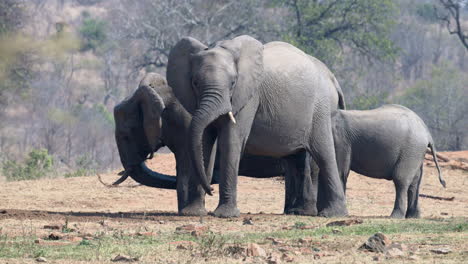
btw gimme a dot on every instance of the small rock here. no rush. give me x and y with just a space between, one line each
305 240
124 258
196 233
183 244
346 222
55 236
52 243
53 227
307 227
75 239
394 253
414 257
336 231
444 213
376 243
188 229
325 236
247 221
261 212
442 251
376 258
275 241
305 251
274 258
41 259
254 250
3 211
285 249
287 258
162 222
319 255
145 234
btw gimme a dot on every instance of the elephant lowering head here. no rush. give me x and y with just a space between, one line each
138 131
222 78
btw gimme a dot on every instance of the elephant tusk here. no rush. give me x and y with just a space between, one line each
231 116
121 179
150 156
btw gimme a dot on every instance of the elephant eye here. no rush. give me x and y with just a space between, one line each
194 83
233 83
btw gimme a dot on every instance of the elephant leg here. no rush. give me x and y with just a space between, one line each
196 196
231 143
413 195
399 208
183 175
289 187
323 153
403 176
304 193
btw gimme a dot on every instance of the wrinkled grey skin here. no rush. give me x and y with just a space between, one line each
385 143
269 89
152 118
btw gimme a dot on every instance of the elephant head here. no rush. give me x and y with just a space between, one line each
138 131
223 79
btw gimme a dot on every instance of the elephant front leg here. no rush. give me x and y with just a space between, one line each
230 146
195 197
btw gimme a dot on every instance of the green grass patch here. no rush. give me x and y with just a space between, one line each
107 245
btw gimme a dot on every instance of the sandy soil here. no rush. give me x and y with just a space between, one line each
90 208
366 196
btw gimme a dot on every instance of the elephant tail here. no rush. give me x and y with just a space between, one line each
341 100
434 156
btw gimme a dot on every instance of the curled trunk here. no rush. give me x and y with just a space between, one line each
144 175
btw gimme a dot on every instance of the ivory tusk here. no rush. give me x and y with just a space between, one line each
231 116
121 179
150 156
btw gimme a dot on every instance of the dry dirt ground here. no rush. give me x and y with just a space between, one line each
83 207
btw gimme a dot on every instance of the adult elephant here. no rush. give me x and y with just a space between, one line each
269 100
151 118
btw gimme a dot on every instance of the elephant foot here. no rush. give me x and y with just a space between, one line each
414 214
226 211
397 214
193 210
301 211
334 211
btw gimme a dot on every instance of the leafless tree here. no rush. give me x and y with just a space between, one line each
453 19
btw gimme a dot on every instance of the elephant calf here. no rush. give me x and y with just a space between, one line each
387 143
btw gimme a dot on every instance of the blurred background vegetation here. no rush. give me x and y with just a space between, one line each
64 64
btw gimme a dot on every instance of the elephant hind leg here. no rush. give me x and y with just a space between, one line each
301 198
323 153
413 195
403 176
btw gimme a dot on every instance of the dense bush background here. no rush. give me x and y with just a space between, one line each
66 63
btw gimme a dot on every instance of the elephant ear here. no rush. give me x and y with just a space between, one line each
179 75
248 56
151 106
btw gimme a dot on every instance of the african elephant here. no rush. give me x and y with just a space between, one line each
152 118
268 100
389 143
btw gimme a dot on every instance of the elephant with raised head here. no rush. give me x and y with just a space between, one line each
152 118
268 100
389 143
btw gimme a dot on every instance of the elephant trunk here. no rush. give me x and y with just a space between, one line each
211 108
135 167
144 175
